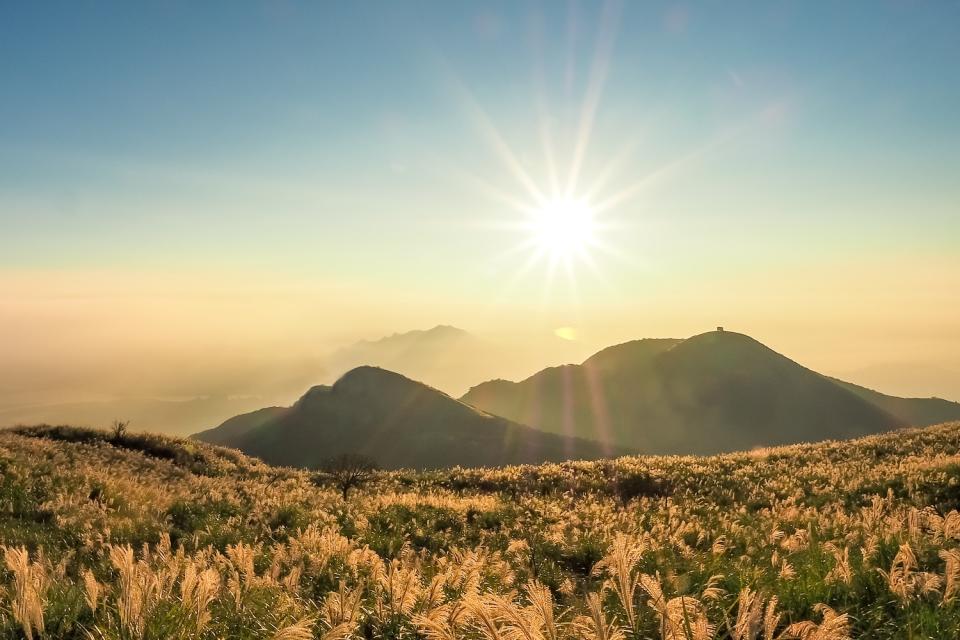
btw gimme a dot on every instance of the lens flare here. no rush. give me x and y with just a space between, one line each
563 228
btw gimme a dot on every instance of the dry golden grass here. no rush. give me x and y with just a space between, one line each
175 539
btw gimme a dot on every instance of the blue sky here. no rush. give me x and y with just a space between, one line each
354 145
354 98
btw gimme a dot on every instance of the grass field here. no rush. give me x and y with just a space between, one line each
137 536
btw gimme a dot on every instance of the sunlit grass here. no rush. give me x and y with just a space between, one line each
125 536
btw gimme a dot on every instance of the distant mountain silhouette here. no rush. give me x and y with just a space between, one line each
398 422
442 357
909 379
918 412
238 426
448 358
412 342
714 392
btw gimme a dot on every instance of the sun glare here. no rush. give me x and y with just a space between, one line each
564 228
565 212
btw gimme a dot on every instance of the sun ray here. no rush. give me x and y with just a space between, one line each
495 139
571 281
543 112
527 246
534 257
611 168
595 84
631 191
491 192
562 221
484 188
549 279
546 140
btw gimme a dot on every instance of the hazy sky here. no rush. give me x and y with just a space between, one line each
189 190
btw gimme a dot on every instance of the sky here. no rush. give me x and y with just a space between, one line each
200 198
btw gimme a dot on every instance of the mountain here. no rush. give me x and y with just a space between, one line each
398 422
449 358
714 392
914 411
238 426
443 357
910 379
422 344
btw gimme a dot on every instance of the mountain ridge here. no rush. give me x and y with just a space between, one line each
397 421
713 392
915 411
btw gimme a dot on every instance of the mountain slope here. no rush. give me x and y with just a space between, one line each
718 391
914 411
238 426
396 421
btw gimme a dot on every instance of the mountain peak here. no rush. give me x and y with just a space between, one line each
721 335
368 381
440 331
716 391
372 379
447 329
400 423
369 372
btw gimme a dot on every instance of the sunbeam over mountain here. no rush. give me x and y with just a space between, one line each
400 268
718 391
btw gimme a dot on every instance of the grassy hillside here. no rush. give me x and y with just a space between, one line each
150 537
718 391
396 421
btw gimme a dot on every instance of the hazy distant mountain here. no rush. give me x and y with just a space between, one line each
420 343
449 358
443 357
914 411
910 379
237 427
396 421
719 391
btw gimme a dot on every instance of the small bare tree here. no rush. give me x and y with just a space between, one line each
119 429
346 471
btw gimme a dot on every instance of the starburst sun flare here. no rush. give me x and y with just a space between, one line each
563 227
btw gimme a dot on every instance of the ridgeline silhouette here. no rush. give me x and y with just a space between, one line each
715 392
397 422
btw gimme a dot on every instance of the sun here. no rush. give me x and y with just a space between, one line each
563 228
